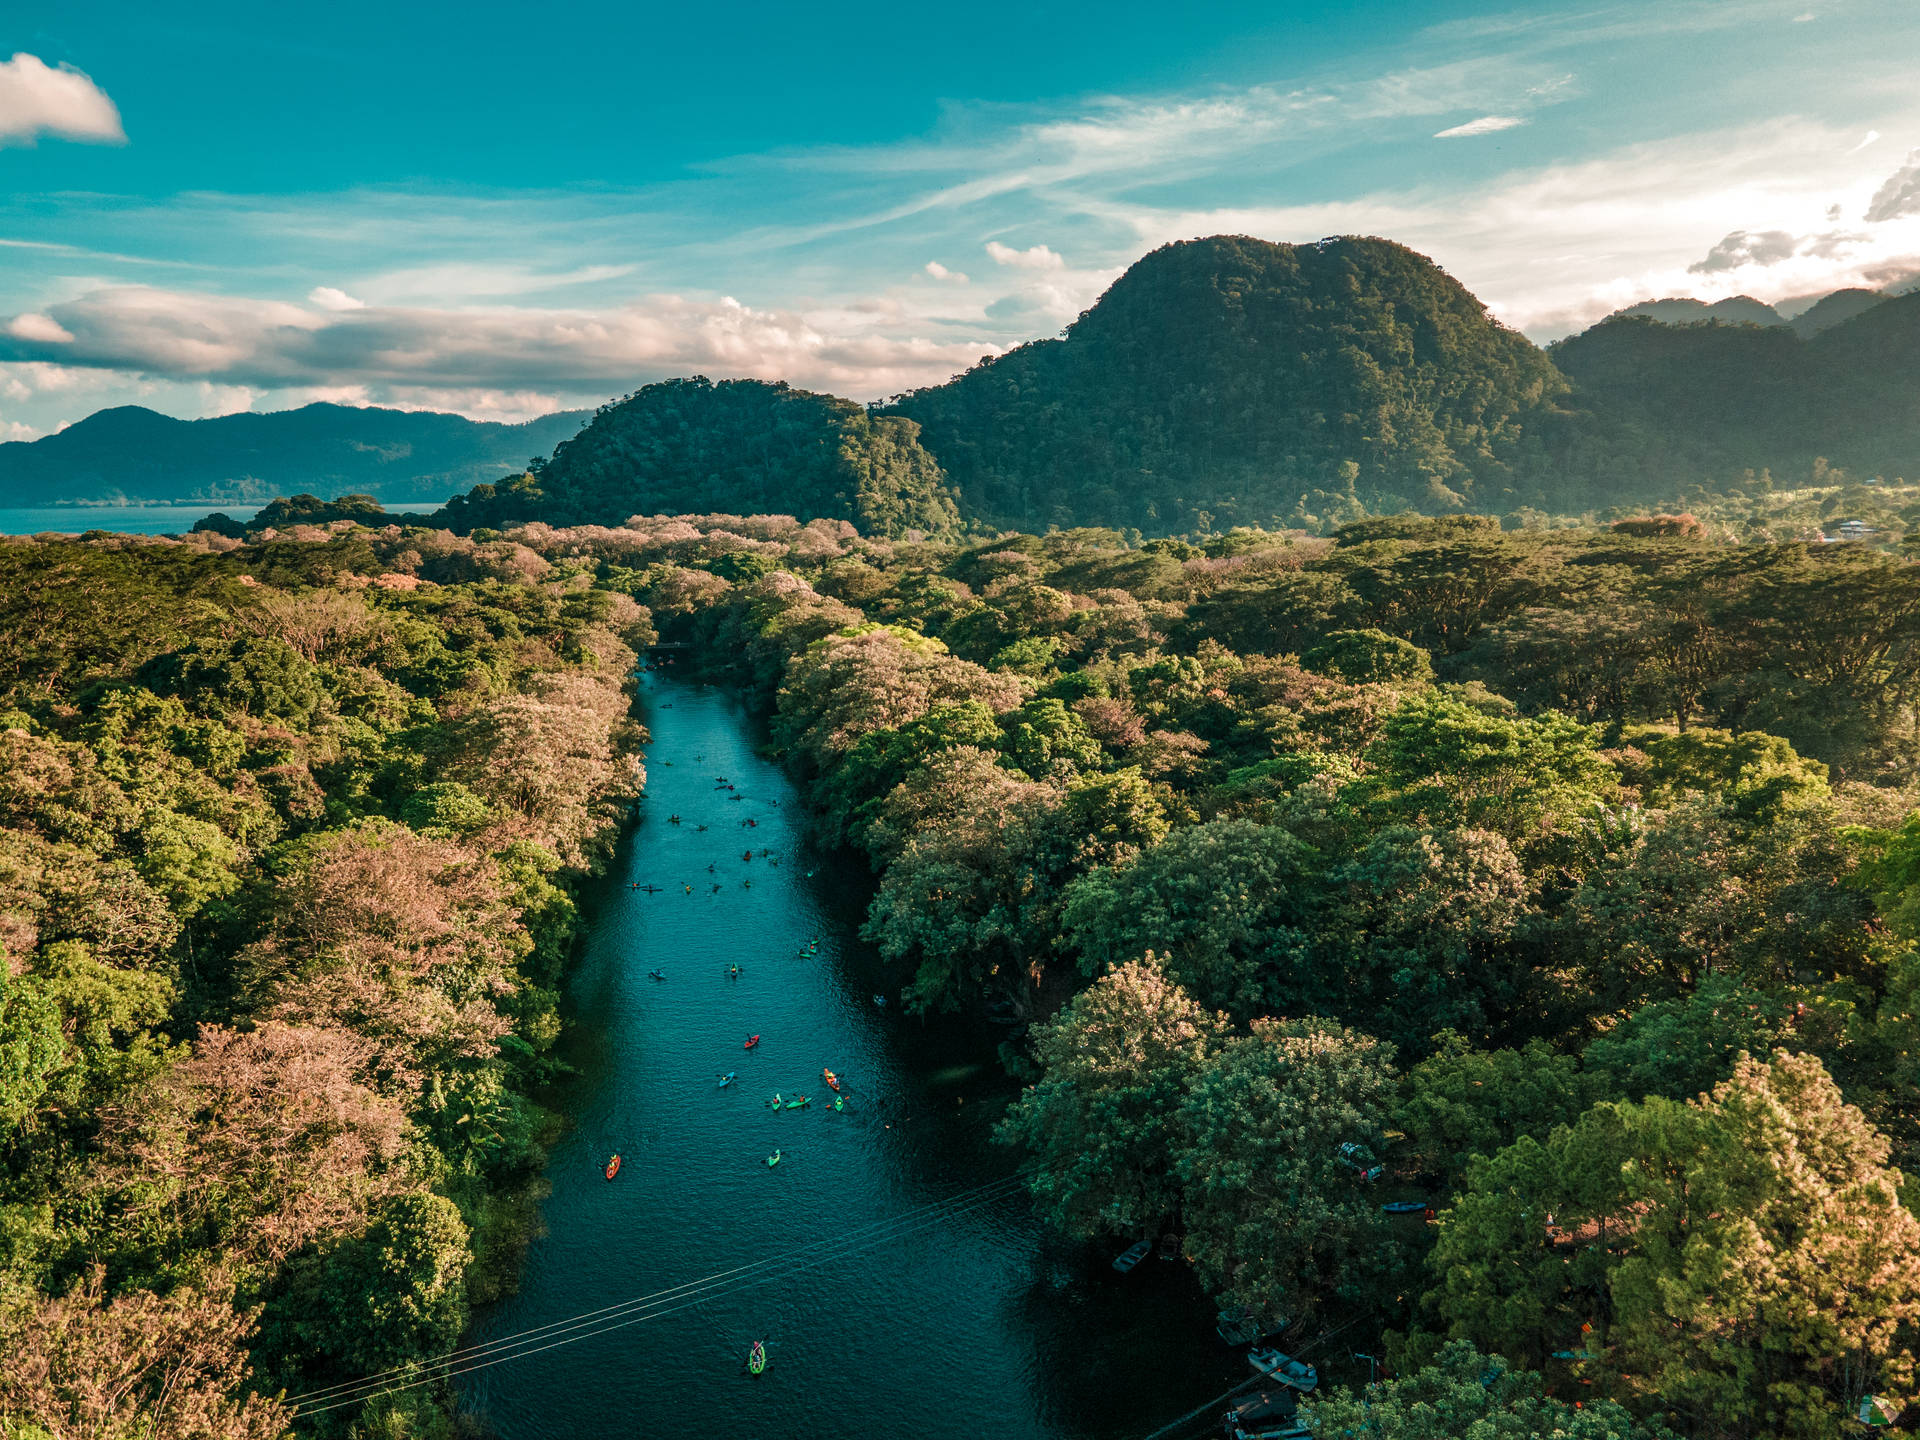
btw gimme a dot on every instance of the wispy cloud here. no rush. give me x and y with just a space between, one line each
1485 125
38 99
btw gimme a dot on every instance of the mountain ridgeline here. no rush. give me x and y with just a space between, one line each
130 453
1219 382
742 445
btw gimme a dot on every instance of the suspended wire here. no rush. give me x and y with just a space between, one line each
692 1297
503 1342
613 1317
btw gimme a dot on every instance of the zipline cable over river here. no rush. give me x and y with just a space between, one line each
652 1307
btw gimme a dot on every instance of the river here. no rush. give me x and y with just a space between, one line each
916 1314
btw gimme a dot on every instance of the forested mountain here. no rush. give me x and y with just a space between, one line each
1218 382
130 453
1249 382
1702 404
740 445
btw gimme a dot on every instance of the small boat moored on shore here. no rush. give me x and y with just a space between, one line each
1284 1368
1132 1255
1266 1415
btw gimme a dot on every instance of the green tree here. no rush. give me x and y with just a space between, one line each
1464 1393
1743 1258
1274 1210
1103 1125
1460 1102
1450 764
1222 903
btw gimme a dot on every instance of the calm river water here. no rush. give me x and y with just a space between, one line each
939 1324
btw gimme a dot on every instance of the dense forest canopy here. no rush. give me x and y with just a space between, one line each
1561 883
288 835
1705 403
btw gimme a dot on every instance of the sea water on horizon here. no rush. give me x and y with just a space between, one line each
127 519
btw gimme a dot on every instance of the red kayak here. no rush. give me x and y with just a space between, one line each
613 1167
752 1040
831 1078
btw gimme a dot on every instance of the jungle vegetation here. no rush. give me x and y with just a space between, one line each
288 834
1566 881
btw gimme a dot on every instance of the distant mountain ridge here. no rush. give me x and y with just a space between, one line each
1217 382
133 454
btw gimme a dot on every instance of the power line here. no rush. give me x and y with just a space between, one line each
664 1302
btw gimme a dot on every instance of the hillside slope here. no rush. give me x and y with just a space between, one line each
131 453
742 447
1702 404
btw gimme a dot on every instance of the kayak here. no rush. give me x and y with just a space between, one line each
802 1101
832 1079
613 1167
839 1102
752 1040
773 1159
757 1357
774 1104
727 1079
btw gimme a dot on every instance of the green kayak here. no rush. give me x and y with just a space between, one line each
801 1103
773 1159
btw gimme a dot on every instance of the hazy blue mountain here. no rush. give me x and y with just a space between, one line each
1734 310
398 456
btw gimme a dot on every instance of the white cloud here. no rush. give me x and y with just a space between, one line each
15 430
942 273
39 99
40 328
1036 257
1485 125
328 298
1871 136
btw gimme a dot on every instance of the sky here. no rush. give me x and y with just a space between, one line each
504 210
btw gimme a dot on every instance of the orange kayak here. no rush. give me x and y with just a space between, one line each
613 1167
831 1078
752 1040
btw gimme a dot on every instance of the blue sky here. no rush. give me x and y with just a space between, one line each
503 210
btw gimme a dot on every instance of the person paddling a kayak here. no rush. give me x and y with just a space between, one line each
757 1357
773 1159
